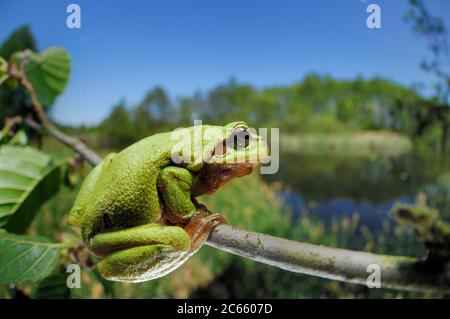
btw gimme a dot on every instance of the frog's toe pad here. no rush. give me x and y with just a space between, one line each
200 226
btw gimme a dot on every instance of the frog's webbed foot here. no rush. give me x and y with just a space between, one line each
200 226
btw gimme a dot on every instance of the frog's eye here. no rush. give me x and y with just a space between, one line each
220 149
239 139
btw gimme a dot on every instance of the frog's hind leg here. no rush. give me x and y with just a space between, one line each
141 253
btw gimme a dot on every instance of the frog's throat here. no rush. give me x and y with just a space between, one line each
212 176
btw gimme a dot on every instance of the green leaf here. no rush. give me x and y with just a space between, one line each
48 72
53 287
28 178
26 258
3 70
20 39
20 138
4 135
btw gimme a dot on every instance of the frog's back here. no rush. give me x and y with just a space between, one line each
125 194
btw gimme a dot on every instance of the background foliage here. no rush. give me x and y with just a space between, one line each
328 125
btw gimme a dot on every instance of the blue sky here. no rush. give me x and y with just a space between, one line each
125 48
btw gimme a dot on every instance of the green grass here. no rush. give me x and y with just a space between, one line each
357 144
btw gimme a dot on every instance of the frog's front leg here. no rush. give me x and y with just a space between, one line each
175 186
140 253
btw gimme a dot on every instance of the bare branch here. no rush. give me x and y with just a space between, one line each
397 272
75 144
19 73
46 125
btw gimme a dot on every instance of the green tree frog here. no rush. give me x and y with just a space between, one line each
137 210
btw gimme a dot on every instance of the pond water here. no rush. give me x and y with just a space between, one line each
331 187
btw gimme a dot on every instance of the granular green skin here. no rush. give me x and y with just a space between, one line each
121 202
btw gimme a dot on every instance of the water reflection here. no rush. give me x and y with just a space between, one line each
336 186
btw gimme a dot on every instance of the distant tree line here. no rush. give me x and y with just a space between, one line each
315 104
